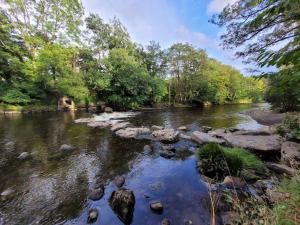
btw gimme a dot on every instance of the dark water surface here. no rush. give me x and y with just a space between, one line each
51 187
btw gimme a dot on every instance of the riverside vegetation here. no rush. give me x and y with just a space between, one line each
82 57
49 54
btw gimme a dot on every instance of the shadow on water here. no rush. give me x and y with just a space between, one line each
51 187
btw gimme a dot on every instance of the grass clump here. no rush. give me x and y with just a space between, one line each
217 162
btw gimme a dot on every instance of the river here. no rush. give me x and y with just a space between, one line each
51 188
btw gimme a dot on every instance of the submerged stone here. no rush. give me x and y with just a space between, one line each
119 181
96 194
156 206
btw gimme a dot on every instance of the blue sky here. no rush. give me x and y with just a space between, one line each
168 22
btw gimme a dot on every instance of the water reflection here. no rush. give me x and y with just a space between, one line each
51 187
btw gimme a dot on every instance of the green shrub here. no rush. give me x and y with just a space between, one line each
217 161
290 128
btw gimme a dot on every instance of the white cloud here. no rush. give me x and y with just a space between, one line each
216 6
148 20
158 20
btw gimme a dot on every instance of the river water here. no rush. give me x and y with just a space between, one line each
51 187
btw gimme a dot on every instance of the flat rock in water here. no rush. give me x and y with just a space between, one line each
281 169
166 135
119 126
154 127
185 137
132 132
156 206
101 124
202 138
182 128
218 132
84 120
290 153
262 143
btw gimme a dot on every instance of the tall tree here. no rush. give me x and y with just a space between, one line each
46 20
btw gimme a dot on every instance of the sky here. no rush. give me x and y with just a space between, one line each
169 22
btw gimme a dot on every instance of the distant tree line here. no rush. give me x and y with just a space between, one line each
47 50
267 32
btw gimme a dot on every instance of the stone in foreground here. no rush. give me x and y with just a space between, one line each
202 138
156 206
166 135
122 203
290 153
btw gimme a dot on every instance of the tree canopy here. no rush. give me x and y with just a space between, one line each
48 50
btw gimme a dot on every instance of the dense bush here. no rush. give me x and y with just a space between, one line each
217 161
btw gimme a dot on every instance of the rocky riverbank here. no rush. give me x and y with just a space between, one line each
279 155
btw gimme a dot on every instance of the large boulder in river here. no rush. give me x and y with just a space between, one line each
132 132
290 153
166 135
258 143
202 138
122 203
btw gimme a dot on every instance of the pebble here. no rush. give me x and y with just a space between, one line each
93 215
156 206
119 181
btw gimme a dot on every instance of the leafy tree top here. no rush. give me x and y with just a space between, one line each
267 31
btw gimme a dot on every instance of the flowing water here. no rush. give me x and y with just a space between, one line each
51 187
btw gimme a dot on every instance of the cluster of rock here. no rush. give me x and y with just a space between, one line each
121 201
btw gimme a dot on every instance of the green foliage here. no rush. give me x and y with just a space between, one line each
56 72
249 160
290 128
218 161
44 55
284 89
